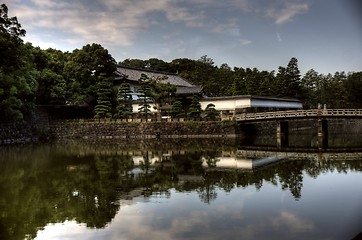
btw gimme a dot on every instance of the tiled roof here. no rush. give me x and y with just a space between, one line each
189 90
133 74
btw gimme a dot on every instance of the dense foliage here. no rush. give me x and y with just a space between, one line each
32 76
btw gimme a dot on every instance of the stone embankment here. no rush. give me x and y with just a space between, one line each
16 132
31 130
94 129
40 127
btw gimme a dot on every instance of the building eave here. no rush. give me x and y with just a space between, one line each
251 97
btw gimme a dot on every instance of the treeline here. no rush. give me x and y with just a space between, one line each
30 76
341 90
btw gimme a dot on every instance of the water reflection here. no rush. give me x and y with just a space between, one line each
100 186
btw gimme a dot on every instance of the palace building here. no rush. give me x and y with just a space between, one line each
227 105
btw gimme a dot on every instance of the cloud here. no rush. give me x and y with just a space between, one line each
245 41
287 12
291 222
183 15
40 41
129 23
108 22
48 3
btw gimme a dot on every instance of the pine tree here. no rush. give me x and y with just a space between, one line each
293 81
124 97
312 84
195 110
177 110
210 112
337 93
103 107
145 107
156 91
354 89
237 86
280 86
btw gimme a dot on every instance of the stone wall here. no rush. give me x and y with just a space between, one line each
22 131
94 129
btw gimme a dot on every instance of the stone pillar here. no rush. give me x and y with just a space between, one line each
322 134
282 134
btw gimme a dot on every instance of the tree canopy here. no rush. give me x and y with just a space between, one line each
17 77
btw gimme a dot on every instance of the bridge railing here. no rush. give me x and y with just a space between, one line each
342 112
298 114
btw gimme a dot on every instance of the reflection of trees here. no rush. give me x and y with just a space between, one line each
207 193
188 163
44 185
212 157
291 177
35 192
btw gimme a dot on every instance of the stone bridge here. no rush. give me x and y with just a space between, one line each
322 116
300 114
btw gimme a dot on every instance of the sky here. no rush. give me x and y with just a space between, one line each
325 35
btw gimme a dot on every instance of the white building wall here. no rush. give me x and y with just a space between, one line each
226 104
136 106
231 162
232 104
275 104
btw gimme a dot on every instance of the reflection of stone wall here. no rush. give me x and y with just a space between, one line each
140 146
111 129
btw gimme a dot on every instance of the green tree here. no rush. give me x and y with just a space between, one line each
353 87
17 76
17 94
206 60
52 88
252 81
237 87
158 65
288 81
194 111
293 81
177 110
225 75
11 45
336 95
144 90
312 82
57 60
124 98
135 63
103 107
83 69
266 81
210 112
160 94
157 91
280 87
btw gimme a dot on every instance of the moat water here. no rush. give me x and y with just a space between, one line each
180 189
